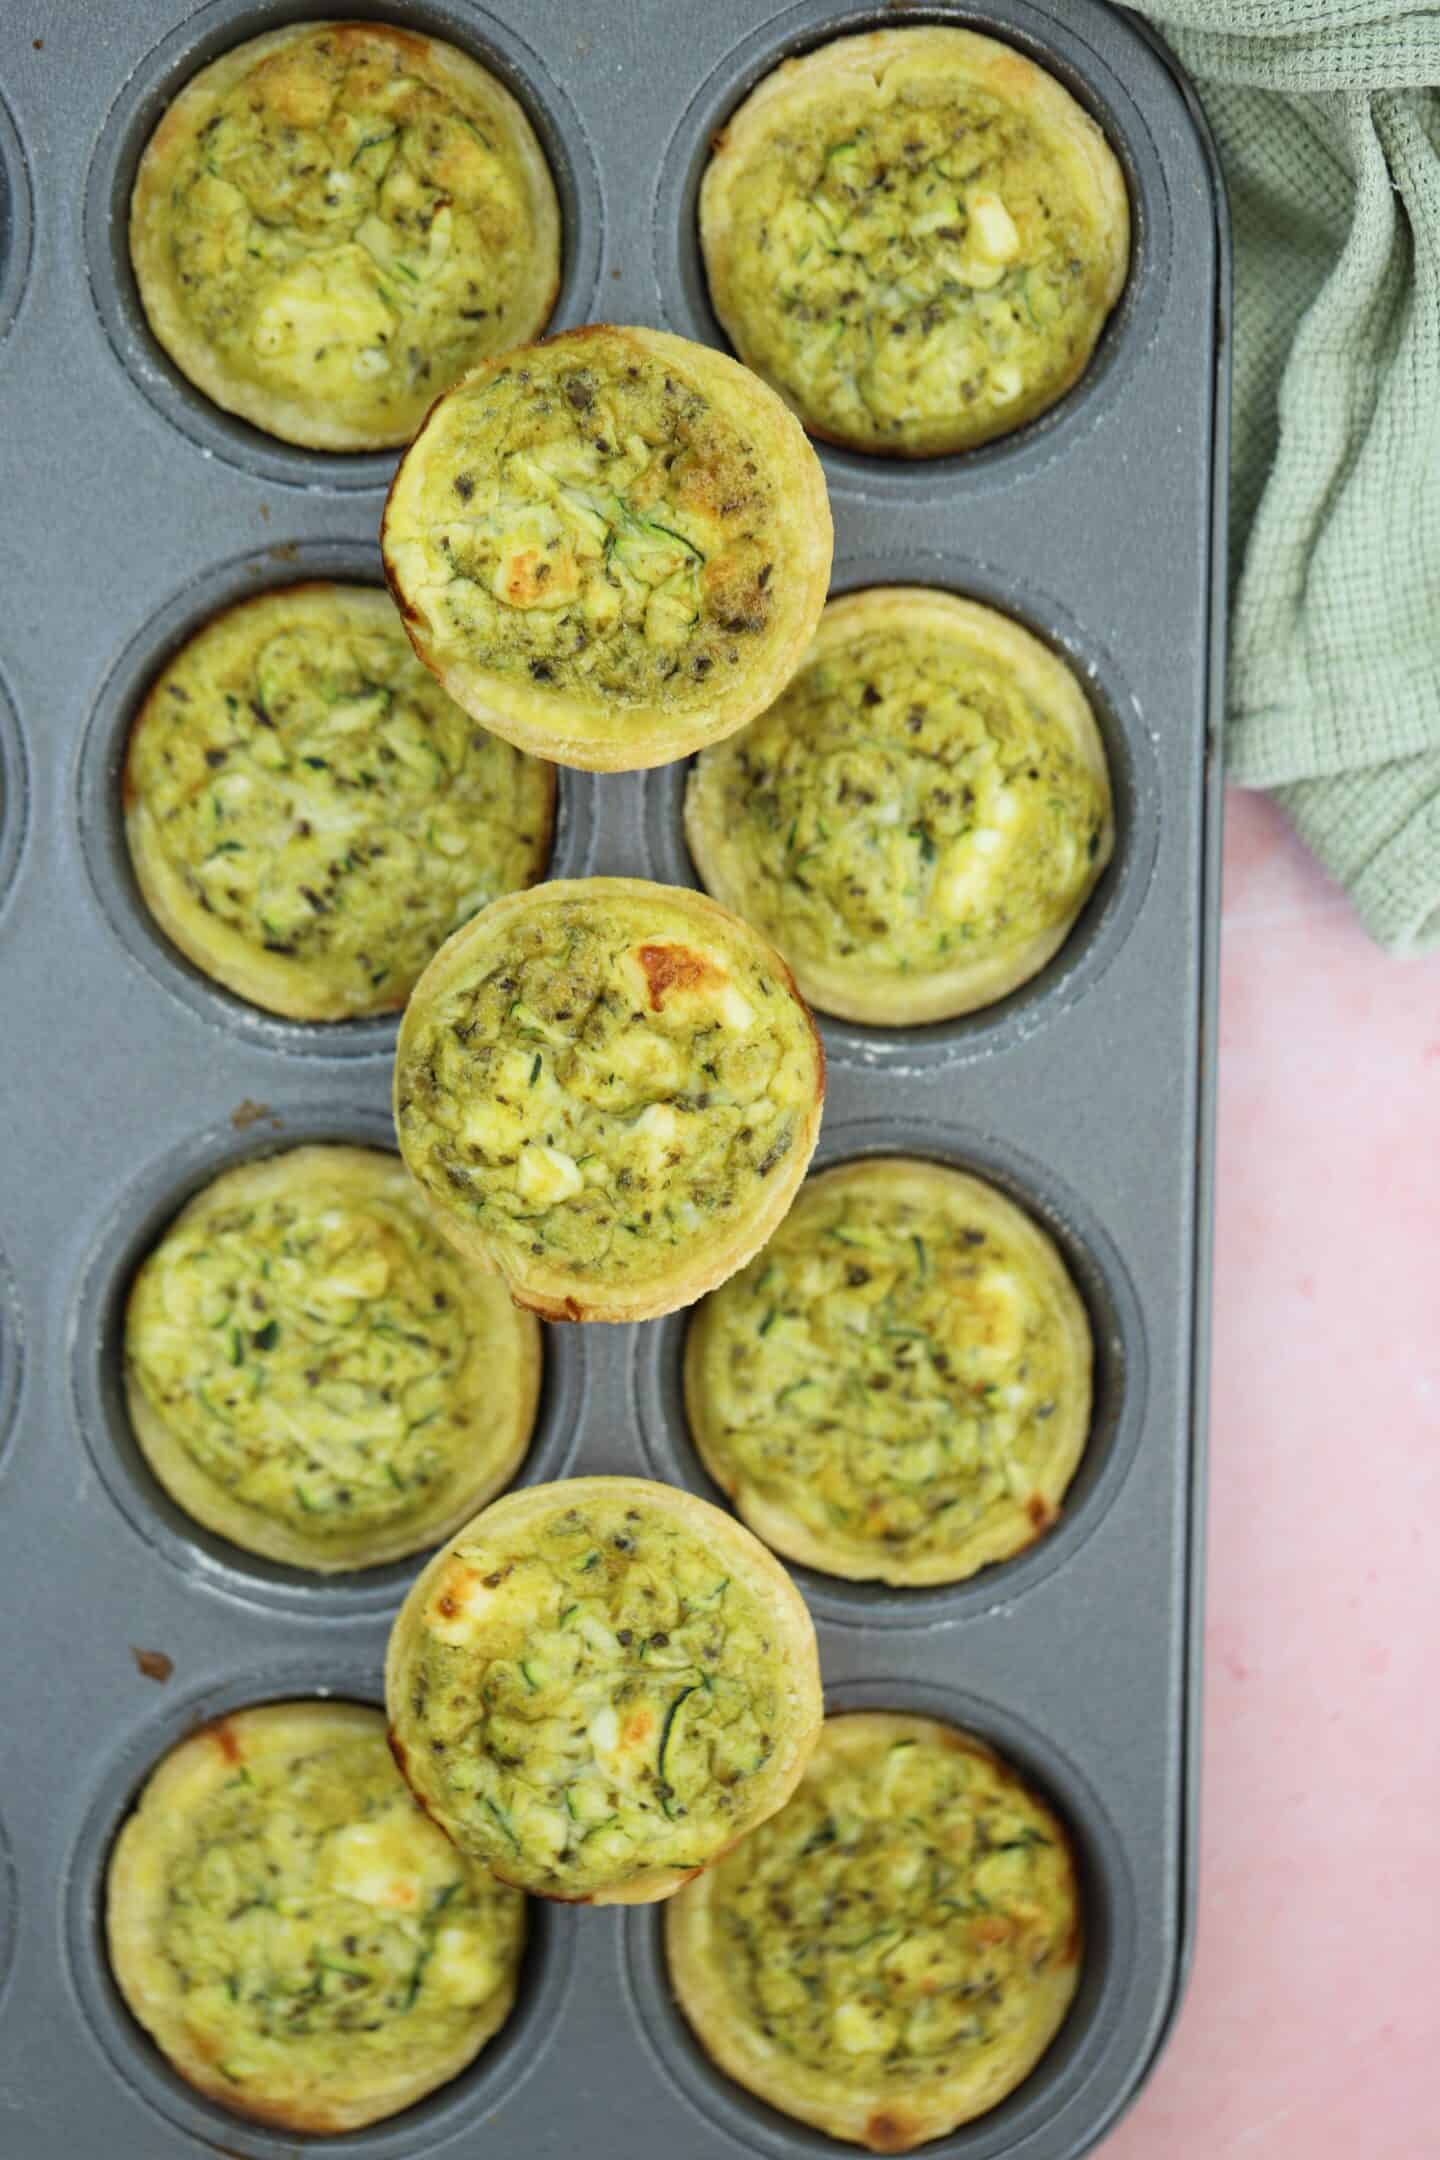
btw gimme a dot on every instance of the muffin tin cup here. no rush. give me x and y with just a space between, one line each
164 71
130 1079
1111 910
1110 1919
16 220
96 1354
1118 1419
100 818
1062 47
456 2112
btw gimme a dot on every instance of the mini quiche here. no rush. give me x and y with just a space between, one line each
309 816
899 1386
293 1934
609 1091
916 235
892 1953
611 548
598 1686
921 815
333 221
312 1372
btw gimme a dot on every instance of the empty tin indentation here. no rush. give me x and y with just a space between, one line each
1111 910
16 219
9 1910
1108 1904
101 818
1067 54
1120 1381
131 121
12 1356
14 792
458 2109
96 1351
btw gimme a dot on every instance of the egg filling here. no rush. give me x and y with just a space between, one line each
593 1698
915 820
310 815
891 1953
605 535
297 1933
912 240
899 1384
321 1359
604 1081
333 222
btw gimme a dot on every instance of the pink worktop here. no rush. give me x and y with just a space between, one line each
1311 2030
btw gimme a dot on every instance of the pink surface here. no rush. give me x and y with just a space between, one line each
1312 2026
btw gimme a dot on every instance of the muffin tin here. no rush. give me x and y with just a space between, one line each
135 509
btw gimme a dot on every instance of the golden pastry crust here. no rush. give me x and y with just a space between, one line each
609 1091
333 221
311 1371
600 1685
898 1388
611 547
920 817
296 1938
916 236
892 1953
309 816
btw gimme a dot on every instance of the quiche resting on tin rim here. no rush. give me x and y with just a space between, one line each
599 1685
892 1953
608 1091
333 221
308 814
916 235
312 1372
611 547
899 1386
293 1934
919 818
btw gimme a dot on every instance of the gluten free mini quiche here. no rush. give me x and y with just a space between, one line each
293 1934
333 221
916 235
311 1370
612 547
310 816
892 1953
608 1090
921 815
899 1386
599 1685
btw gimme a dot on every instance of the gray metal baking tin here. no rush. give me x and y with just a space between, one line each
129 508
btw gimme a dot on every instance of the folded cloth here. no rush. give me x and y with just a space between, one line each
1329 133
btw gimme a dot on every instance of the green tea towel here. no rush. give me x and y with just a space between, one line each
1329 133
